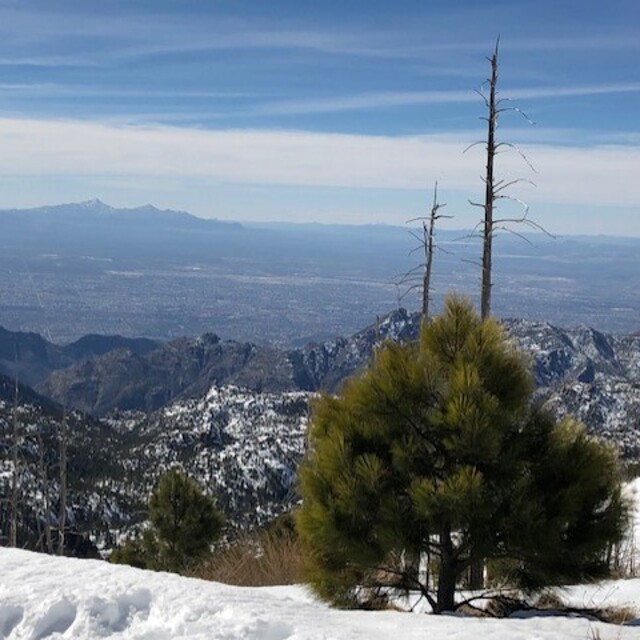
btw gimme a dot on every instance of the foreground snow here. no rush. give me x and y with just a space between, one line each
49 597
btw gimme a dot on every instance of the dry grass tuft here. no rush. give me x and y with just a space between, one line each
549 601
617 615
255 560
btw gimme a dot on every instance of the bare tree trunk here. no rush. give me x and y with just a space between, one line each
447 575
13 517
44 484
428 253
476 574
62 517
489 194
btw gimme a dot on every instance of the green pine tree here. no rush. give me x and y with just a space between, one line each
184 522
434 457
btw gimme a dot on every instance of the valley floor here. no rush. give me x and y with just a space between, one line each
49 597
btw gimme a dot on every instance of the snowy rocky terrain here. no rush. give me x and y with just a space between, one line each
590 375
94 472
243 447
243 442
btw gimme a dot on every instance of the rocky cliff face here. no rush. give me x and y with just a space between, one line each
590 375
183 368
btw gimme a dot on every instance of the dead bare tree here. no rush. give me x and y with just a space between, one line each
489 194
62 517
44 487
495 190
427 244
14 500
427 241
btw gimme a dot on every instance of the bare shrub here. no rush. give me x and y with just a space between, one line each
616 615
255 560
549 600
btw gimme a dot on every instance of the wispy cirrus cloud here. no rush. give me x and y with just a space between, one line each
53 34
381 100
254 104
112 36
55 89
626 41
104 36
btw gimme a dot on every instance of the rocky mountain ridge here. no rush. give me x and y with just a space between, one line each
187 367
593 375
31 358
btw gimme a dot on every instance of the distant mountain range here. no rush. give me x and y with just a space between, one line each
95 212
94 228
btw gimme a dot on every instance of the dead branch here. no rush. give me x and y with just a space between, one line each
426 243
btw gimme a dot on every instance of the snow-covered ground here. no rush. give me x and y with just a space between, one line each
49 597
632 545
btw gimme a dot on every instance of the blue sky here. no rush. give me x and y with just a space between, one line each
328 111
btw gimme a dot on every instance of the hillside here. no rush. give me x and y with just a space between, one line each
31 358
234 415
95 472
243 447
187 367
592 375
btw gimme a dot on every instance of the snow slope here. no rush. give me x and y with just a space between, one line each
49 597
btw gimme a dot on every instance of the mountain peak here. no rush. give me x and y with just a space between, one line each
150 207
94 203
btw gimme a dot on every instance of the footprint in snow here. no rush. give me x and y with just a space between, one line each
10 617
117 614
57 620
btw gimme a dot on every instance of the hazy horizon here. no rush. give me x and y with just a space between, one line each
407 226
